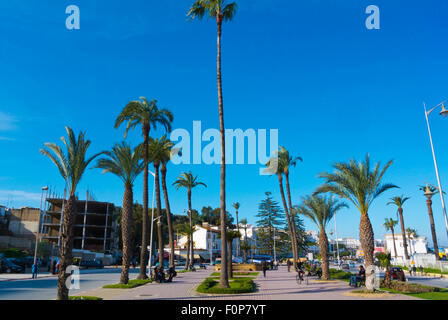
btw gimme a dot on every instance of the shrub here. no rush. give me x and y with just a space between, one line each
237 286
339 274
407 287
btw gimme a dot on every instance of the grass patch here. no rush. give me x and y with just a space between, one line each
237 286
425 270
340 275
84 298
131 284
234 278
183 271
417 290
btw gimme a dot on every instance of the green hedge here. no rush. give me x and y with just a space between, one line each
131 284
237 286
340 275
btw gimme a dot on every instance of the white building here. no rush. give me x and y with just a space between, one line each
416 245
206 242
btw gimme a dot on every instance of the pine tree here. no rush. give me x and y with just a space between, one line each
270 217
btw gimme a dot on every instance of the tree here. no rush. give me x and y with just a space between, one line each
411 233
236 205
188 181
187 230
361 184
126 164
231 234
390 224
221 11
384 261
278 165
147 115
429 192
399 201
167 148
270 217
71 165
321 210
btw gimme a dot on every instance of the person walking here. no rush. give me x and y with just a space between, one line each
264 267
288 263
34 270
421 270
414 269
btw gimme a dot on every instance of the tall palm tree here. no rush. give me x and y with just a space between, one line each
321 210
384 261
186 230
276 166
399 201
389 225
71 165
236 206
246 245
429 192
222 11
286 161
158 149
188 181
148 115
126 164
360 184
167 148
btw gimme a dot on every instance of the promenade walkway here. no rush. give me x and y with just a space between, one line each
278 285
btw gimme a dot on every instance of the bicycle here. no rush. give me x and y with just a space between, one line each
300 278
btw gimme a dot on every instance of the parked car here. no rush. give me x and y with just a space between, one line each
10 267
345 266
397 273
95 264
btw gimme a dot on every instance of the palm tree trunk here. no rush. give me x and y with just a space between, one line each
288 218
393 237
223 280
238 229
168 214
65 251
187 259
159 215
323 250
366 237
229 266
403 232
433 228
190 213
293 223
144 248
126 225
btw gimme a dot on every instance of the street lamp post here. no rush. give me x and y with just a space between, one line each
38 224
443 113
152 223
336 233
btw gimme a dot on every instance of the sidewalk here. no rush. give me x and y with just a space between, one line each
23 276
278 285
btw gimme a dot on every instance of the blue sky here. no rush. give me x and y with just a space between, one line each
312 70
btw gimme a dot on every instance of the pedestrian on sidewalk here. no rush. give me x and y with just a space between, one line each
264 267
34 270
414 269
421 270
289 263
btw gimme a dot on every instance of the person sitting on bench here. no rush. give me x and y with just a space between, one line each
171 274
360 277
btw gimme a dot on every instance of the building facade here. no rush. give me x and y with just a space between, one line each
416 245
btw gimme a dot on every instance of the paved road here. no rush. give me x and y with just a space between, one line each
46 288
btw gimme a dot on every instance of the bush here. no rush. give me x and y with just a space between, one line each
407 287
13 253
237 286
339 274
131 284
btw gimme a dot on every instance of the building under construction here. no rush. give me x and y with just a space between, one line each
94 224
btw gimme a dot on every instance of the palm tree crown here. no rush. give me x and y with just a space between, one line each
320 209
124 162
214 9
236 205
73 163
356 182
398 201
160 150
187 180
144 113
390 224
